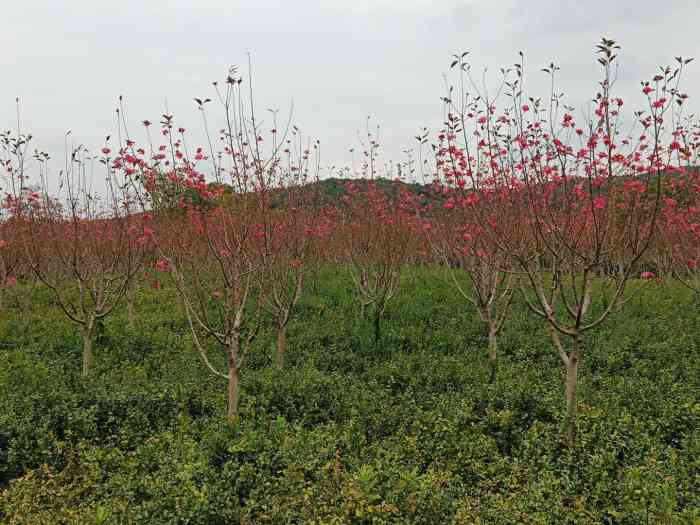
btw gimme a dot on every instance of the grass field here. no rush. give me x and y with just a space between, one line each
404 431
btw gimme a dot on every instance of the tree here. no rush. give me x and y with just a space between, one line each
226 248
296 226
88 252
578 197
376 237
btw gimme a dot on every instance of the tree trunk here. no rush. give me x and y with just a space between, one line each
130 306
493 348
571 401
281 346
377 327
88 333
233 387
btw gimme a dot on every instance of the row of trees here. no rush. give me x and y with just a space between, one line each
525 200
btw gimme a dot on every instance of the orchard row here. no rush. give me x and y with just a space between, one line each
573 213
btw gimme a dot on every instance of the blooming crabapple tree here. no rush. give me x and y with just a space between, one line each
12 261
15 200
296 229
378 231
230 253
678 247
10 240
459 238
85 251
676 250
217 262
463 237
580 195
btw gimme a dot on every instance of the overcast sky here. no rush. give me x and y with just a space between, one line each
338 60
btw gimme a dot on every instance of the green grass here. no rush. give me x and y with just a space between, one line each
406 431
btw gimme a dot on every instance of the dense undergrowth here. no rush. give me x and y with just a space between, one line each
404 431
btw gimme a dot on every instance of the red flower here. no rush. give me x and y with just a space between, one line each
162 265
647 275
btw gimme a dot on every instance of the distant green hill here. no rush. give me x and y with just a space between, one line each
331 190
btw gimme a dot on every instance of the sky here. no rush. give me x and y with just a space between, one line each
338 61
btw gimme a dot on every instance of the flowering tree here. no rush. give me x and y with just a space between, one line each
471 211
581 196
677 250
376 240
295 228
11 255
13 152
459 241
217 264
86 251
232 253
